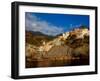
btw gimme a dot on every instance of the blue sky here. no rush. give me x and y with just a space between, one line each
53 24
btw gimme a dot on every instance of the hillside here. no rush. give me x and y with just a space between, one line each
36 38
70 48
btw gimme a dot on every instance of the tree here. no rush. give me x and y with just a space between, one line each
83 26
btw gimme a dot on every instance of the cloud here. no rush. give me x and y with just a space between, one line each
33 23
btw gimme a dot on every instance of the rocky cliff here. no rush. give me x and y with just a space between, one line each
69 45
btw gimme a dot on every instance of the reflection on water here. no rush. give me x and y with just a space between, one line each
56 63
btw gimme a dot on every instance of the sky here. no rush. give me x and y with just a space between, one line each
54 24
